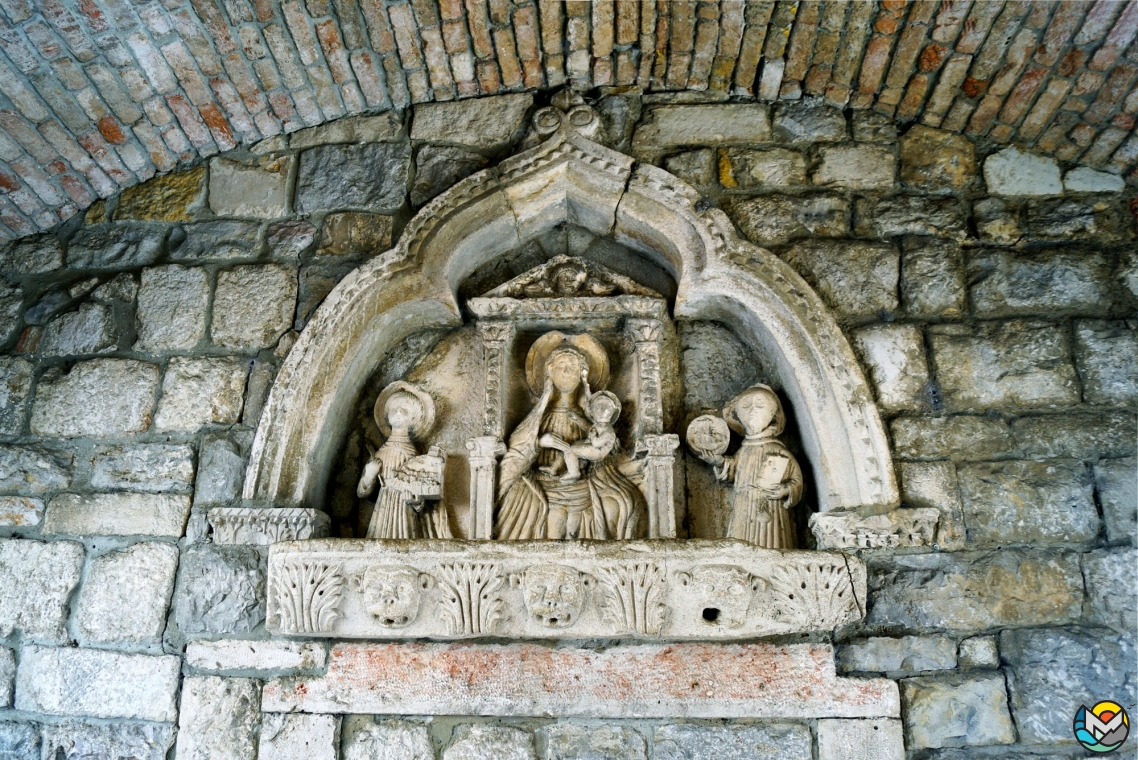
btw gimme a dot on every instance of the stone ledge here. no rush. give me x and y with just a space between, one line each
796 681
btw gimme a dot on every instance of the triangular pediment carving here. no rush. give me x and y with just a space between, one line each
570 277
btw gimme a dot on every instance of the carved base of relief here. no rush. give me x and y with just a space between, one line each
665 590
899 529
264 526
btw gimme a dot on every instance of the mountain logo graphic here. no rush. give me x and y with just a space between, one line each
1102 728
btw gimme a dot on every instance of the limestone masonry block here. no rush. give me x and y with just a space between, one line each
997 220
567 741
856 167
979 652
384 127
1106 354
97 684
171 308
1007 365
15 384
772 220
437 167
234 656
198 392
747 168
1051 672
89 329
860 740
97 398
11 305
1118 493
963 437
857 279
365 738
908 654
1084 179
299 737
172 198
152 467
1014 172
1008 283
912 215
220 473
936 161
7 676
957 712
253 306
1080 436
34 470
117 514
669 127
482 742
125 597
895 355
935 484
221 589
1028 502
259 191
219 719
20 511
78 740
697 167
35 254
216 241
287 240
115 246
37 579
371 177
20 741
486 124
976 591
763 741
1111 595
353 233
809 121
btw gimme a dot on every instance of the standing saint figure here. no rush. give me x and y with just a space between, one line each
409 484
768 480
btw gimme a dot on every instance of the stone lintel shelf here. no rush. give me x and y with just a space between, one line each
656 590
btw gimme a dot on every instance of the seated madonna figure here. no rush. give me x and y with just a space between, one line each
538 495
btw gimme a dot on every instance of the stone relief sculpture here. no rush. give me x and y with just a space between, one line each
768 481
542 490
725 592
392 593
307 596
410 485
471 597
554 594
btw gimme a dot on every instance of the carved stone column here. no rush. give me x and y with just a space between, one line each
659 484
483 461
496 338
645 334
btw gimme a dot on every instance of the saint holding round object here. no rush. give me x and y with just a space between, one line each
709 437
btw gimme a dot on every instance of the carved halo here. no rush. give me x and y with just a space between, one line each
416 431
773 429
586 345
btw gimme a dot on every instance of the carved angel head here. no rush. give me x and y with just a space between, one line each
554 594
392 594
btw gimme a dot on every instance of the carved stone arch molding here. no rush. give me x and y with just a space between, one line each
569 178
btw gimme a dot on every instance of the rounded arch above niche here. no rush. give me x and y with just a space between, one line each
570 179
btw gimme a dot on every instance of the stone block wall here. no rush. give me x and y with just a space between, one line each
991 297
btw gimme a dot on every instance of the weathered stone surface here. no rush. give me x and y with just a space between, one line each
860 740
221 472
171 308
747 168
869 126
352 233
1014 172
1100 218
1028 502
897 528
34 470
267 525
19 741
1106 354
89 329
567 741
11 304
98 398
117 514
975 591
1084 179
438 167
675 126
232 656
253 306
171 198
808 121
979 652
856 167
299 737
488 124
935 485
932 278
122 288
895 356
936 161
115 246
7 676
219 719
1053 672
221 589
1052 282
97 684
215 241
908 654
20 512
957 712
288 240
198 392
962 437
371 177
482 742
35 254
778 219
15 384
1006 365
37 579
997 220
768 741
46 305
1118 493
1111 596
124 599
911 215
75 740
240 189
383 127
151 468
695 166
648 680
368 739
857 279
1079 436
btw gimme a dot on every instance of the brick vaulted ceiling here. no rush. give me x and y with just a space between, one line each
98 95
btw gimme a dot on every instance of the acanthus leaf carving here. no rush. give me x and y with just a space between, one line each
814 594
307 596
631 597
471 598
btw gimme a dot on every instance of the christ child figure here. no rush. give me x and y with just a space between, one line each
602 408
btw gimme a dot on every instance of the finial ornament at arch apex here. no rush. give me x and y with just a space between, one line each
567 110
